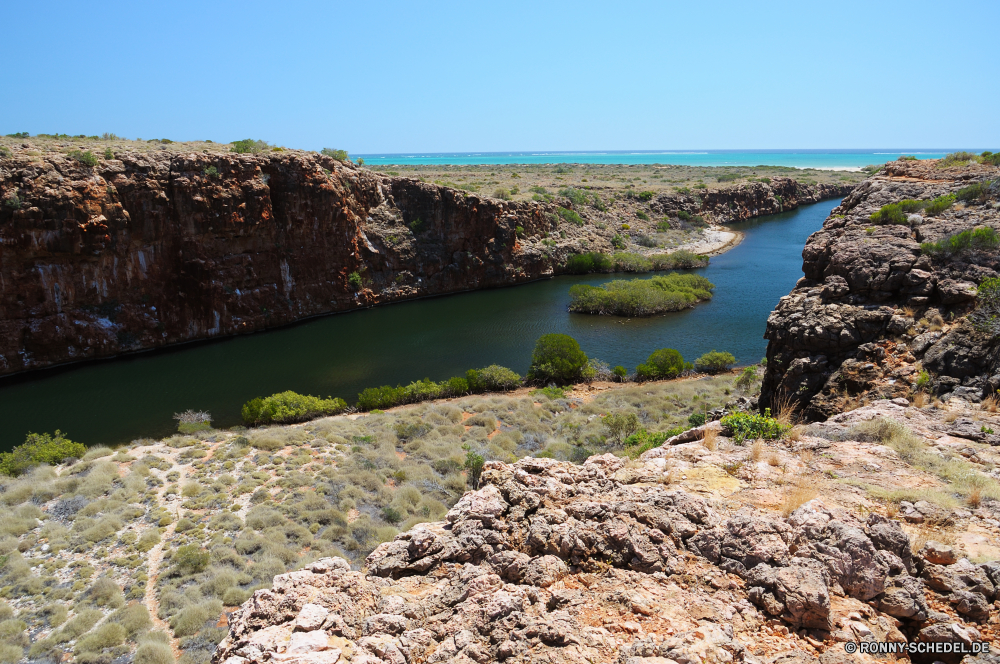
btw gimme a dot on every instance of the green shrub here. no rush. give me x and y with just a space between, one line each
417 226
641 297
474 464
235 596
678 260
645 196
620 426
551 392
570 216
661 364
340 155
618 242
620 373
696 419
589 262
992 158
576 196
249 146
105 593
493 378
13 201
939 204
746 379
153 652
85 157
643 441
960 158
355 281
557 358
386 396
457 386
976 192
211 172
109 153
748 426
289 406
986 317
108 635
982 238
714 362
889 214
629 262
189 559
39 448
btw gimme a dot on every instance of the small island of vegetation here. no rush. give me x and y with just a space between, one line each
641 297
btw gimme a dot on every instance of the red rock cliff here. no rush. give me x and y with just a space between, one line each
149 250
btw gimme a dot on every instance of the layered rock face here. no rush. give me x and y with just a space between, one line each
872 304
155 249
746 201
603 563
152 249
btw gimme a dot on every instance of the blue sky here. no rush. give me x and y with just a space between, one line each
461 76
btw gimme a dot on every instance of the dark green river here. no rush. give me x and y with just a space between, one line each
118 400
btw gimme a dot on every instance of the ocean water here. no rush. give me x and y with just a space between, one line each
820 159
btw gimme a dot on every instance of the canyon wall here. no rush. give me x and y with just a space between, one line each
875 309
151 249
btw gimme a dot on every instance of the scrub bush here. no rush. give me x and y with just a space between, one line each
620 426
570 216
982 238
939 204
289 406
714 362
39 448
336 154
661 364
85 157
189 559
889 214
493 378
557 358
249 146
191 421
474 464
744 426
986 317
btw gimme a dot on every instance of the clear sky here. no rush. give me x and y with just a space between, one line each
391 76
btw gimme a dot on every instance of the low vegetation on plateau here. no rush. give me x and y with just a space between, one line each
641 297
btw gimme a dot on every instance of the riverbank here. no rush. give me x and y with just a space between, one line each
433 337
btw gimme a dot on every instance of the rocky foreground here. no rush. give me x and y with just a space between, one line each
680 556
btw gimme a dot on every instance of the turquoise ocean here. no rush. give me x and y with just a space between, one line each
824 159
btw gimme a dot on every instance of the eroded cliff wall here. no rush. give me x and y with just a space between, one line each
151 249
874 309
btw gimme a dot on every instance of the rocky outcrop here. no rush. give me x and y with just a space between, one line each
550 561
745 201
872 303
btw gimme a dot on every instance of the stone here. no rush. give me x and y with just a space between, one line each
303 642
311 617
544 571
938 554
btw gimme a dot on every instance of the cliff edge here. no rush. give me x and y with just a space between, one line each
886 298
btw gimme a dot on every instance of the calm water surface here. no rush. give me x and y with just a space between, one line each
118 400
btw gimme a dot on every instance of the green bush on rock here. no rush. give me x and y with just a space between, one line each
748 426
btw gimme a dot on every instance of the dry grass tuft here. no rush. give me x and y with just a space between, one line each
920 399
711 439
795 433
773 458
757 450
795 498
892 510
975 497
950 417
909 312
807 457
991 404
783 408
